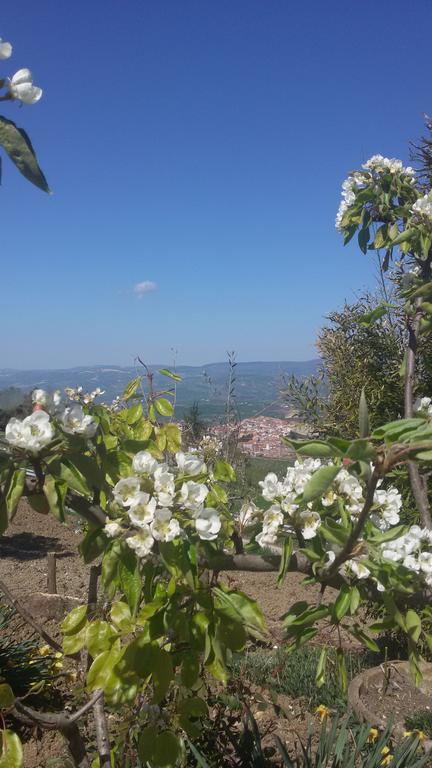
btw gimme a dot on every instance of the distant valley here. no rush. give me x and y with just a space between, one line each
256 385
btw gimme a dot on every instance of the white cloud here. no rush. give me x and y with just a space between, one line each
145 287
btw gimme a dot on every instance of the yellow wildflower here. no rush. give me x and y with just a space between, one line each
420 735
387 756
44 650
322 711
373 735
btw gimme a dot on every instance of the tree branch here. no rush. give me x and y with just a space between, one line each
56 721
356 532
28 617
102 735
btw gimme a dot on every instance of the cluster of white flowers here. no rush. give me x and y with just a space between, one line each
350 186
159 501
413 550
287 507
77 394
424 406
49 401
21 83
35 432
422 208
373 168
380 164
32 433
284 494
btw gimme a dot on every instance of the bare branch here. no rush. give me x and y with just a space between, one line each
102 735
28 617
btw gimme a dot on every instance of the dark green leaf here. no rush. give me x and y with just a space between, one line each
18 146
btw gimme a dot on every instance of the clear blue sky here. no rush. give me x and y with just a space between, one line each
200 145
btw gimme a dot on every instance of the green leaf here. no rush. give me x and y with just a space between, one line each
15 490
394 429
75 620
285 559
7 696
167 750
364 423
73 477
170 374
190 669
360 635
18 146
224 471
133 414
315 448
131 388
146 744
11 755
242 609
99 637
363 239
93 544
342 670
201 762
342 603
55 492
413 625
320 482
173 437
321 668
163 406
162 673
370 318
74 643
121 616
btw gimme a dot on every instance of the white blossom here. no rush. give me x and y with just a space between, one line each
142 508
248 513
390 502
193 495
380 164
113 528
32 433
21 87
273 517
74 421
355 567
424 406
144 463
164 527
40 397
125 490
271 487
164 486
5 49
267 537
189 463
309 521
422 208
142 542
425 562
208 523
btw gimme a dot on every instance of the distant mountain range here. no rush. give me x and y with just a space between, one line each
256 384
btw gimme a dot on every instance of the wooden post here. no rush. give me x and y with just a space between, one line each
51 573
